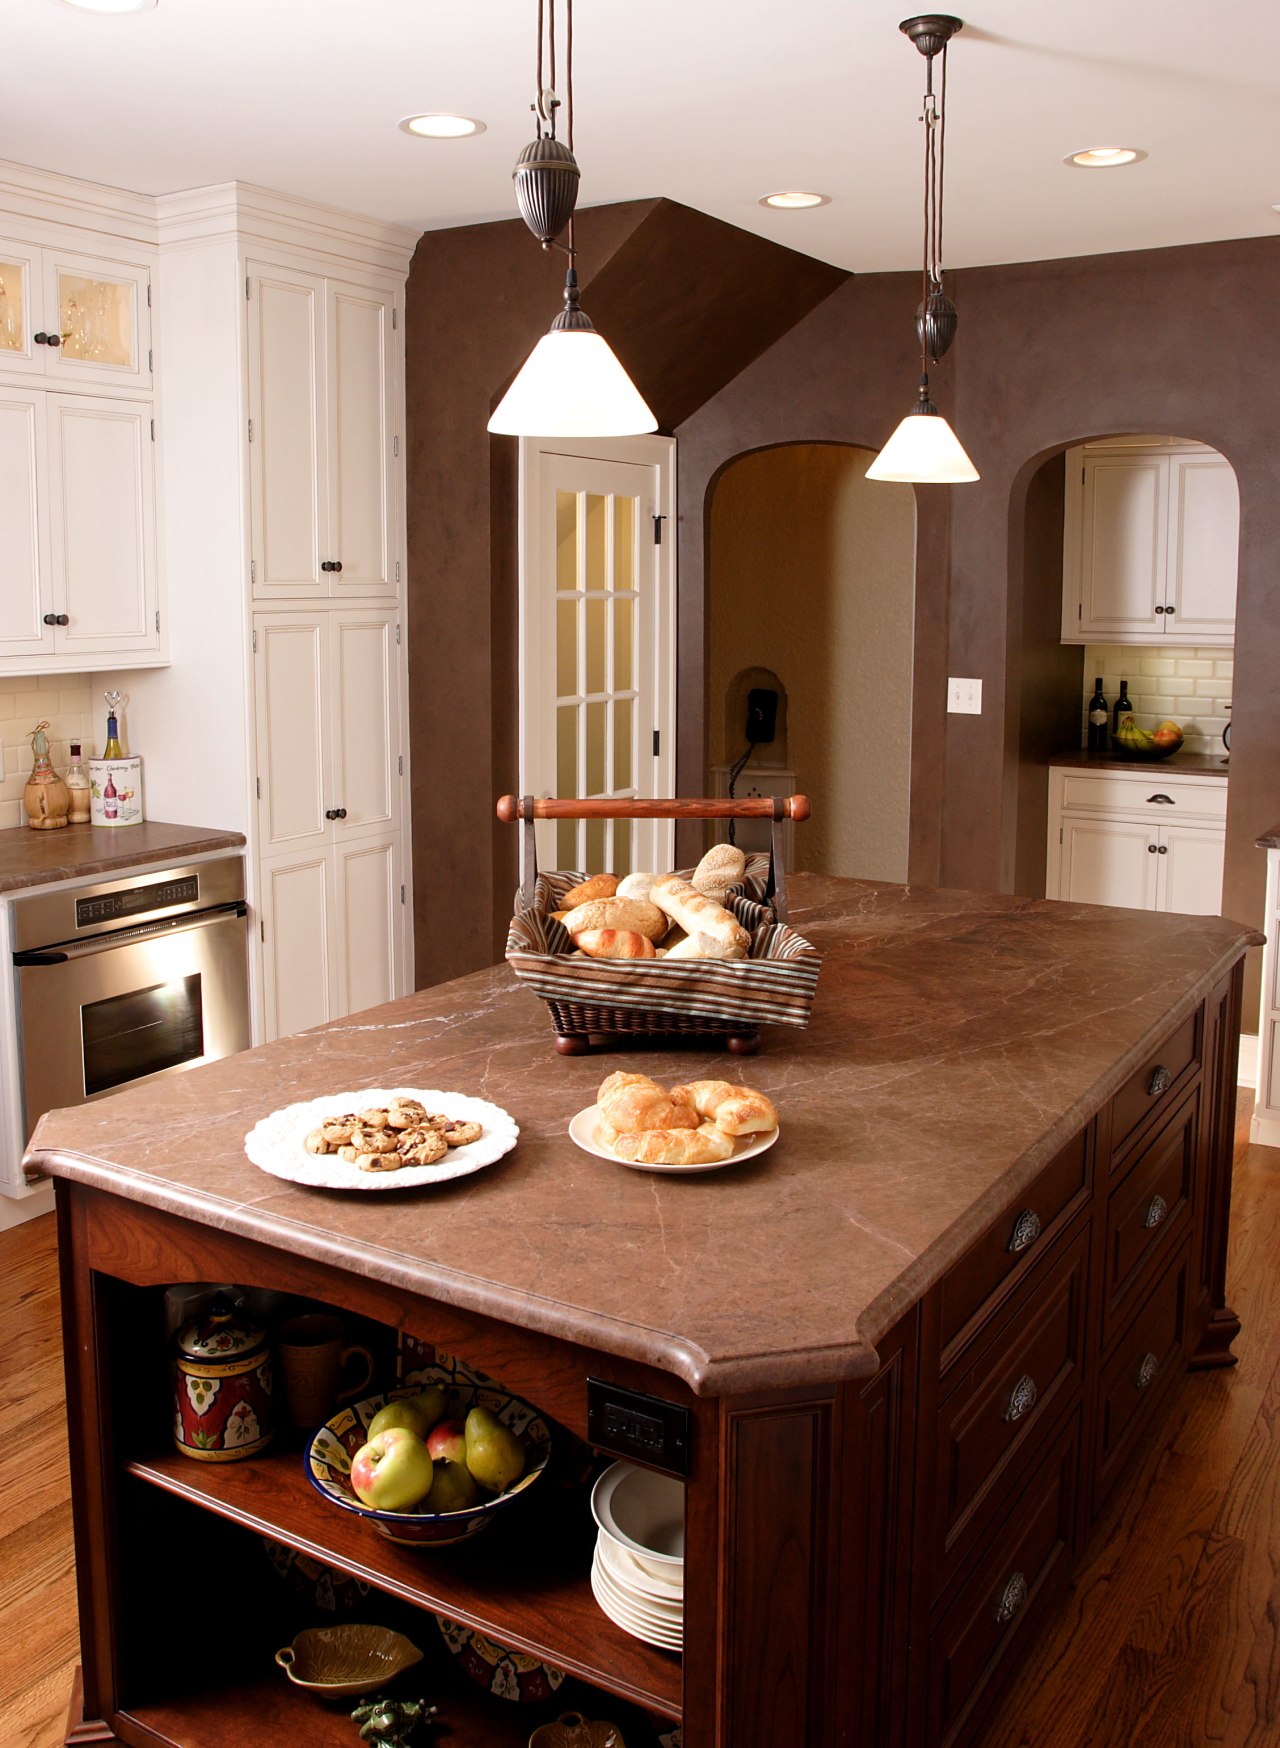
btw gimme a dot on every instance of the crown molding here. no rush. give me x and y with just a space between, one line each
45 195
244 213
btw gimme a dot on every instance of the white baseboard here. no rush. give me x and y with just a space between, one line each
1265 1131
26 1205
1247 1073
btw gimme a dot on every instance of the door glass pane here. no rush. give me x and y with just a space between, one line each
594 863
624 537
566 540
622 612
566 751
594 733
566 648
597 515
621 860
567 844
12 315
622 744
596 610
96 317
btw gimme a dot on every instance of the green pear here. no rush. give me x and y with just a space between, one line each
495 1455
452 1489
418 1412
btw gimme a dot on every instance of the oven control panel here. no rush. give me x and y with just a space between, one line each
134 901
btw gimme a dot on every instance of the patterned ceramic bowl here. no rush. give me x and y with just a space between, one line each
512 1675
331 1448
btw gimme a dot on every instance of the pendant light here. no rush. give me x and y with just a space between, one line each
572 384
924 449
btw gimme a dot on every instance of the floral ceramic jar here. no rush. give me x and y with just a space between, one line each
222 1385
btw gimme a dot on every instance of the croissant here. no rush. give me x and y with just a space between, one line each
633 1101
702 1146
738 1110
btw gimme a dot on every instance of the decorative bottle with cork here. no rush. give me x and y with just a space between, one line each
77 788
45 796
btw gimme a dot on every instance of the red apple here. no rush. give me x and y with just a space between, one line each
448 1441
393 1472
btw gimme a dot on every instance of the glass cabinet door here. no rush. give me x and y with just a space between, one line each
19 316
98 312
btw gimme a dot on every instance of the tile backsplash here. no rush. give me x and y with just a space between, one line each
73 705
1190 686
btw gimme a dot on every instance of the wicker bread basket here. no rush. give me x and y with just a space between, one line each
607 1000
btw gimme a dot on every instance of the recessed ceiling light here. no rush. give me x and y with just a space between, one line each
110 5
789 199
441 127
1104 157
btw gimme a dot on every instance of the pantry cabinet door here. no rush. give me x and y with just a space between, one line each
297 939
99 311
369 922
291 709
23 535
365 717
361 435
1119 545
21 292
289 511
1204 536
102 525
1108 862
1190 867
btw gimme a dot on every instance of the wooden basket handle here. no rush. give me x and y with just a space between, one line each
511 808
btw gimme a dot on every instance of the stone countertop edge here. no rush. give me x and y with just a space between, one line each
1269 839
663 1350
31 859
1176 765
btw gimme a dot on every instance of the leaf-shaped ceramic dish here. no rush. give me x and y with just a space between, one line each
572 1730
338 1662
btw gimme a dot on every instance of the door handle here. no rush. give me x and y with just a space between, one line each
1151 849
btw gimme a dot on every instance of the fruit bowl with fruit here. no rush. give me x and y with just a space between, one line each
1131 742
434 1464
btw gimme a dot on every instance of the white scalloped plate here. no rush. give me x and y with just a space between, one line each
275 1144
582 1129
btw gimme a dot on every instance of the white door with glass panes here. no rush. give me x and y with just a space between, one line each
597 642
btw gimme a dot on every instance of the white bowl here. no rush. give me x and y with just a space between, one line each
633 1577
643 1513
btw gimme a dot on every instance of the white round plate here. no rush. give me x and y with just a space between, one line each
276 1144
664 1617
633 1577
622 1617
582 1129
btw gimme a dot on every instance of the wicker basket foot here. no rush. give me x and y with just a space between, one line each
742 1043
572 1044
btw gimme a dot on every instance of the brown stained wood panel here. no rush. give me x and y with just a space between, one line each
1138 1376
1135 1105
778 1513
1135 1247
1215 1325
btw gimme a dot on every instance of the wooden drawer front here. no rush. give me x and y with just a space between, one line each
993 1266
1161 795
1006 1591
1155 1086
1005 1400
1138 1373
1147 1213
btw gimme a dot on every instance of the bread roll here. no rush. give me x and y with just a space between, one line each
599 886
703 1146
699 915
722 867
633 1101
618 913
738 1110
636 885
702 946
614 944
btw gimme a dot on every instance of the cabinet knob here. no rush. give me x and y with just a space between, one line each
1151 849
1022 1398
57 619
335 813
1155 1213
1161 1080
1171 611
336 565
42 339
1147 1369
1012 1598
54 340
326 564
1026 1229
1161 609
1163 849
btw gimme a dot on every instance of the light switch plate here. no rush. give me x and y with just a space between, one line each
964 697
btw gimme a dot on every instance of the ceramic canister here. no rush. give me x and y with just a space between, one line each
222 1385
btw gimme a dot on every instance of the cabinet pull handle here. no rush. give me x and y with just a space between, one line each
1147 1370
1022 1398
1012 1598
1026 1229
1163 800
1161 1080
1155 1213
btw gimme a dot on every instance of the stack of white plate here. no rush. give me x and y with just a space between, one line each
637 1575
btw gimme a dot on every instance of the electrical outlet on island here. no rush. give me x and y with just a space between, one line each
964 697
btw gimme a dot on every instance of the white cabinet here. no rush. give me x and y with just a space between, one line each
78 572
1150 542
322 436
74 319
1143 843
1266 1112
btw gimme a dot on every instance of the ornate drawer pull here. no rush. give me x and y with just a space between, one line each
1161 1080
1012 1598
1022 1398
1155 1213
1147 1370
1026 1229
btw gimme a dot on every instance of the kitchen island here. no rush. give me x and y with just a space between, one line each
916 1342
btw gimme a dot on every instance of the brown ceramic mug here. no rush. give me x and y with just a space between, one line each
314 1360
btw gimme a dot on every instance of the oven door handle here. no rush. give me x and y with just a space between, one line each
130 937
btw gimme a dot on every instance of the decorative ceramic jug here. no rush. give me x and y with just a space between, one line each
222 1385
45 796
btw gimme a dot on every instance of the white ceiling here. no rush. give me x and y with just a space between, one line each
710 102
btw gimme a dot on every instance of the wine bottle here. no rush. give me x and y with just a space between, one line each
1098 718
1123 707
113 749
110 796
77 788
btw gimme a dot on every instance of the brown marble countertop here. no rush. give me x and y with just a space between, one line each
83 852
1269 840
957 1041
1177 765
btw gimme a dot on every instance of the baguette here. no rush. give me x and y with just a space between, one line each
599 886
698 915
738 1110
618 913
703 1146
702 946
614 944
636 886
722 867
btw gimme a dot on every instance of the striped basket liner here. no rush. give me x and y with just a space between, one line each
774 986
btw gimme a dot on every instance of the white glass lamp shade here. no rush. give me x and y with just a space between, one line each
572 385
924 450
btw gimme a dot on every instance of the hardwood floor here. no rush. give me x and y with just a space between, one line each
1169 1637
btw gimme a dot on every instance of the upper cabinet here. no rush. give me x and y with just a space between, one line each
75 320
322 438
1150 544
